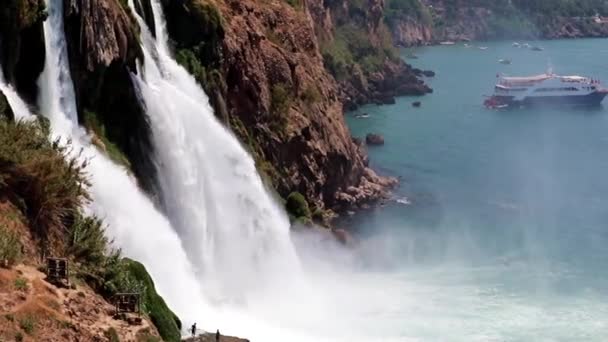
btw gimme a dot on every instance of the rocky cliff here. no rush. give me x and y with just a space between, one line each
358 50
262 66
103 47
22 44
418 22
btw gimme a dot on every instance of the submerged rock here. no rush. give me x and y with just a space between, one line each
374 139
428 73
417 104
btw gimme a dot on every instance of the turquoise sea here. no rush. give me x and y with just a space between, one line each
499 230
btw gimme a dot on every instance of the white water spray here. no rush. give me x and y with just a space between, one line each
233 231
137 227
19 107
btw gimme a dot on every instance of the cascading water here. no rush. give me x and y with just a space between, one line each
137 227
20 108
232 229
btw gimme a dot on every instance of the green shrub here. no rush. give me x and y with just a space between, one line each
87 241
10 247
281 100
295 3
28 324
297 207
48 185
165 321
18 336
21 284
94 124
311 94
112 335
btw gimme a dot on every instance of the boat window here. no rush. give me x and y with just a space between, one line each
555 89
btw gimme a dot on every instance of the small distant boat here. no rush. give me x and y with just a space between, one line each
362 116
537 48
516 44
467 45
547 89
483 48
447 43
504 61
526 45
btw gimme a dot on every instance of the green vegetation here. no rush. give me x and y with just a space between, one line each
153 305
311 94
112 335
92 123
281 99
407 9
21 284
18 336
10 246
46 183
353 44
49 187
28 324
297 207
297 4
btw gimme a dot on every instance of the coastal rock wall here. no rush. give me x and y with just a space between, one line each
420 22
262 67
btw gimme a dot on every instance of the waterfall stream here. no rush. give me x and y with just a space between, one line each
136 226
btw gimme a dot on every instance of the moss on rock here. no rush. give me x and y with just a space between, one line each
165 321
297 207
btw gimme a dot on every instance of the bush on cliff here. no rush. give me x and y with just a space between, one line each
281 100
44 181
297 207
166 322
10 247
48 185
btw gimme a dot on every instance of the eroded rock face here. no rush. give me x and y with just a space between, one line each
374 139
280 101
22 49
103 46
365 24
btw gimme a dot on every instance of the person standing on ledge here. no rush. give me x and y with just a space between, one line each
217 335
193 329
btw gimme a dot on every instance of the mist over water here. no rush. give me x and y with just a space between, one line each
507 221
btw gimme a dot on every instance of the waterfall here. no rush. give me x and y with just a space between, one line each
133 222
233 231
19 107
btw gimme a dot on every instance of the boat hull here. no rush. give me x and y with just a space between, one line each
592 99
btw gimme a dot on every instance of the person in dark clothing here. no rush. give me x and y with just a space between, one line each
217 335
193 329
